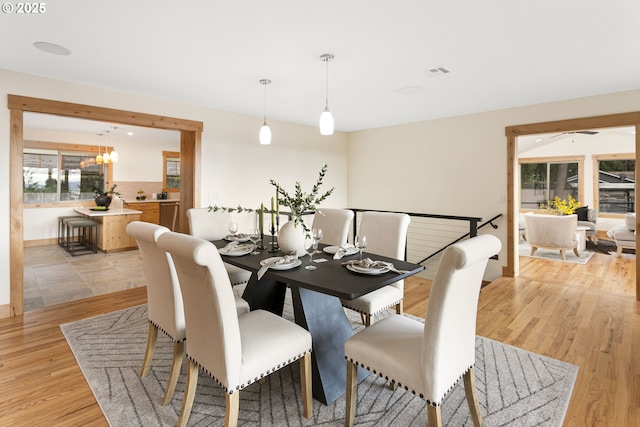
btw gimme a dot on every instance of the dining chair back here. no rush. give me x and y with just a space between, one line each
439 352
386 234
335 225
215 226
164 300
234 350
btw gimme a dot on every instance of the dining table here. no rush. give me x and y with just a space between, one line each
316 302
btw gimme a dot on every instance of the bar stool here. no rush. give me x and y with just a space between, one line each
62 229
86 238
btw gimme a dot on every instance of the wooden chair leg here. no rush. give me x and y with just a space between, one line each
233 409
472 397
564 258
363 318
434 417
189 393
575 251
619 251
352 394
305 385
151 347
369 319
400 307
178 352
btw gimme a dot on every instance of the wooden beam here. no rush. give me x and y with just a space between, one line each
68 109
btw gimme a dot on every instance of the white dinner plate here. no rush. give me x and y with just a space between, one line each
366 270
296 262
237 251
237 238
333 249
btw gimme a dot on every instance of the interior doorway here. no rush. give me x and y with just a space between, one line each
190 139
571 125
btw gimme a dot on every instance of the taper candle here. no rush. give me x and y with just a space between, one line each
261 219
277 201
273 220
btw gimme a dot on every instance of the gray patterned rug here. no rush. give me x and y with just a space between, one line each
515 387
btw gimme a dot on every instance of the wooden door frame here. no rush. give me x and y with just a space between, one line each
190 149
584 123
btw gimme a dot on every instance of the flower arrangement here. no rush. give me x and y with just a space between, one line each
566 207
299 204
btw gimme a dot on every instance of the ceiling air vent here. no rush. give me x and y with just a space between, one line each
438 71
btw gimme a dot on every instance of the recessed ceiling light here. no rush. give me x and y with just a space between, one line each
409 90
52 48
130 133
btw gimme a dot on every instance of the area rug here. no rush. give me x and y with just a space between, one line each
554 255
515 387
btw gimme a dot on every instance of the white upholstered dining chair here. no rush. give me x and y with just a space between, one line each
334 224
215 226
387 236
436 354
164 299
234 350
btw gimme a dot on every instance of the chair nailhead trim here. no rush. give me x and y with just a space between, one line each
386 378
165 332
262 375
375 312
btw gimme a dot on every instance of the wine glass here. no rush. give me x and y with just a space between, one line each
360 242
310 245
254 236
233 228
316 233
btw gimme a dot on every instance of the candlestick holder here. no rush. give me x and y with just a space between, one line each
262 246
274 242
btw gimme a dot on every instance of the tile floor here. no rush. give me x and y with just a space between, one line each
52 276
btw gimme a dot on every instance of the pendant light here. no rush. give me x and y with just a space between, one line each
265 131
99 156
326 119
114 154
106 158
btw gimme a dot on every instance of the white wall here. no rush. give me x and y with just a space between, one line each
455 165
235 167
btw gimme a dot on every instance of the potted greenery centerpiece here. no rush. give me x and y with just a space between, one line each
103 198
292 234
564 207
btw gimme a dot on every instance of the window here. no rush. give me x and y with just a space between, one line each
171 169
542 180
616 183
54 172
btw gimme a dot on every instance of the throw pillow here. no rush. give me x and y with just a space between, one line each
583 213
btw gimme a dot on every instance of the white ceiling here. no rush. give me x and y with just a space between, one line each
501 53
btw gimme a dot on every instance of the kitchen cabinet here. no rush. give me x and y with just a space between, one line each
150 211
112 227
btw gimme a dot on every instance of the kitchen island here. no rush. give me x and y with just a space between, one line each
112 224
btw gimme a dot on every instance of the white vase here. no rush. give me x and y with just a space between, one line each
291 238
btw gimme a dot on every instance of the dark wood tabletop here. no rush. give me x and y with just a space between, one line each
330 277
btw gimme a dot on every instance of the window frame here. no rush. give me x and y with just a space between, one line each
165 156
560 159
67 147
596 178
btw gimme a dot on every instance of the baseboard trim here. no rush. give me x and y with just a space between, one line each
40 242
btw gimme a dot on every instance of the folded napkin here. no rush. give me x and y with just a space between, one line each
369 263
287 259
343 250
237 247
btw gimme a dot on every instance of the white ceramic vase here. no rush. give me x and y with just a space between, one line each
291 238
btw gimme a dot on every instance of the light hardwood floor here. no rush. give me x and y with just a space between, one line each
586 315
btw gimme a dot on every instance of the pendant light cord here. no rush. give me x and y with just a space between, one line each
326 60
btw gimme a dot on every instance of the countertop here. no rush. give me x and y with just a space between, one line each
131 202
111 212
